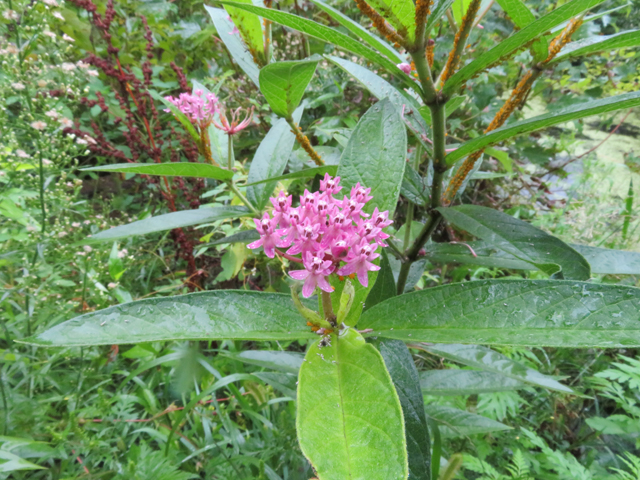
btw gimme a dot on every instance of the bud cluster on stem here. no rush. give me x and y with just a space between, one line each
326 232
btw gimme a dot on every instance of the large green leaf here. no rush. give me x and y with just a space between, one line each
306 173
400 14
520 239
385 286
491 361
459 423
382 89
415 187
358 30
465 382
10 462
349 421
250 29
283 84
521 17
287 362
375 156
172 169
218 314
233 42
603 261
271 159
517 41
324 33
574 112
513 312
404 374
599 43
169 221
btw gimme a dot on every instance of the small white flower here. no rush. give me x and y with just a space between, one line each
112 285
62 234
22 154
87 249
10 15
67 38
12 49
122 253
66 122
52 114
42 83
46 161
75 224
87 222
82 64
90 140
80 141
49 34
39 125
51 3
67 67
18 86
92 73
31 228
59 16
69 184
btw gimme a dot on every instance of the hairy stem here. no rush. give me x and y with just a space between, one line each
424 74
304 142
327 307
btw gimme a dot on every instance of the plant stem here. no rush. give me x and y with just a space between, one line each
327 306
304 142
424 74
5 405
230 155
41 187
243 199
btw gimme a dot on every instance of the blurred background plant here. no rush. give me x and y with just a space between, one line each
75 91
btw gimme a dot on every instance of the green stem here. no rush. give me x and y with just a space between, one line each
424 74
230 155
243 199
42 205
5 405
327 307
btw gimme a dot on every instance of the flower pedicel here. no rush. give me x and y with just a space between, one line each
326 232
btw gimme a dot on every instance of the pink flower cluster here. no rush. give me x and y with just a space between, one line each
197 109
325 231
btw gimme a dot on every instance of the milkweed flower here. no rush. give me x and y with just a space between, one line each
235 125
199 109
331 235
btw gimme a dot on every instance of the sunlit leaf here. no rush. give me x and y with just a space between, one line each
459 423
465 382
170 169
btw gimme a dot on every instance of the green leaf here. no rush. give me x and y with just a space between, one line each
326 34
171 169
415 271
287 362
513 312
437 12
12 463
574 112
518 12
517 41
283 84
465 382
458 423
400 14
375 156
358 30
404 374
349 421
245 236
385 286
169 221
491 361
459 9
217 314
306 173
414 187
603 261
520 239
270 160
182 118
600 43
382 89
233 42
283 382
250 28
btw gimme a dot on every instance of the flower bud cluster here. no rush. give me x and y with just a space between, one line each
197 109
331 235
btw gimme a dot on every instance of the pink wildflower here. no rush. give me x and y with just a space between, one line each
233 127
405 67
197 109
331 235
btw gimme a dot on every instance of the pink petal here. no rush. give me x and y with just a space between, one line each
324 284
256 244
299 274
309 286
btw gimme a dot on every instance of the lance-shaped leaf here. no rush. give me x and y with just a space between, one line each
521 17
574 112
375 156
349 421
271 159
601 43
382 89
414 187
244 236
250 28
385 286
437 12
465 382
400 14
358 30
283 84
218 314
517 41
489 360
520 239
603 261
306 173
458 423
169 221
171 169
287 362
233 42
405 378
324 33
513 312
